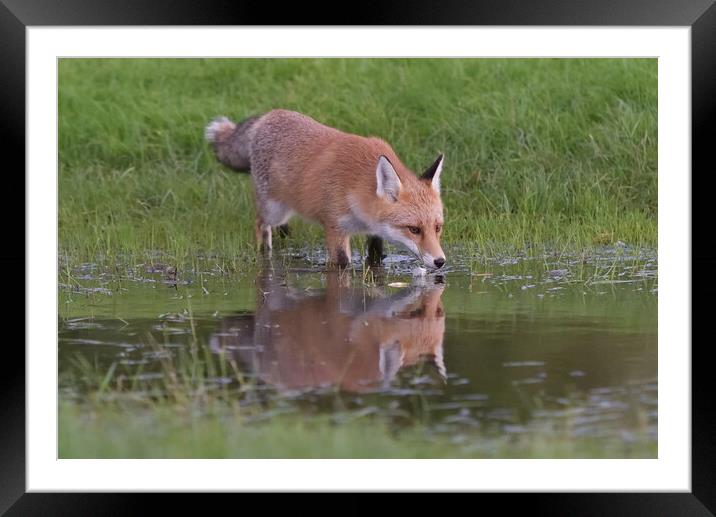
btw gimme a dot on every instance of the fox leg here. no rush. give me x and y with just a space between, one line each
269 213
375 250
263 234
283 230
339 249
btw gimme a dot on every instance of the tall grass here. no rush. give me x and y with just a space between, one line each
547 152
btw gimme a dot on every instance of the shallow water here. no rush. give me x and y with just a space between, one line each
506 345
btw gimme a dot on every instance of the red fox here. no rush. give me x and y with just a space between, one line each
348 183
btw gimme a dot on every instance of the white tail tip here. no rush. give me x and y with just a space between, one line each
217 127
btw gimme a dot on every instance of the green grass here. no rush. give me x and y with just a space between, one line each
539 153
171 431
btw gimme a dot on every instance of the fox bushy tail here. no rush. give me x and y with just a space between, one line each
231 142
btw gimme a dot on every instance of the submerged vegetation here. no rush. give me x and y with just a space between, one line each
558 153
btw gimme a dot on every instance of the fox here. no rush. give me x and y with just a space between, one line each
348 183
353 338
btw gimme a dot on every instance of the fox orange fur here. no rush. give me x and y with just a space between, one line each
349 337
348 183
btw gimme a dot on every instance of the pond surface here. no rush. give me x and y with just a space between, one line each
506 345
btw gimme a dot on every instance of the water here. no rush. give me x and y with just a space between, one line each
507 345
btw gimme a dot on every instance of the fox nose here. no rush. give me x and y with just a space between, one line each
439 262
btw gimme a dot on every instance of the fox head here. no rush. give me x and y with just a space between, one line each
411 211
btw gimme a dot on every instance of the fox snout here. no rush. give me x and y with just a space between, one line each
433 262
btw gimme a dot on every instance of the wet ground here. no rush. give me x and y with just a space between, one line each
506 345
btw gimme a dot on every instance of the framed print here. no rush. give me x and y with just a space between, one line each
333 258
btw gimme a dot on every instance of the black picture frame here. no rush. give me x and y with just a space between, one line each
700 15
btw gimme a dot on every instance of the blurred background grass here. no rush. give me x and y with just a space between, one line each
539 152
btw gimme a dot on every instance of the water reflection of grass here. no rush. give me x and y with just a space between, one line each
195 404
560 152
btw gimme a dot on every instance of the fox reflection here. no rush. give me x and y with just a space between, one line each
355 338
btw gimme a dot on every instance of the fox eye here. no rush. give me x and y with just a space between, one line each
414 230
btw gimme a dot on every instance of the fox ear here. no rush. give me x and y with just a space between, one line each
432 174
387 180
